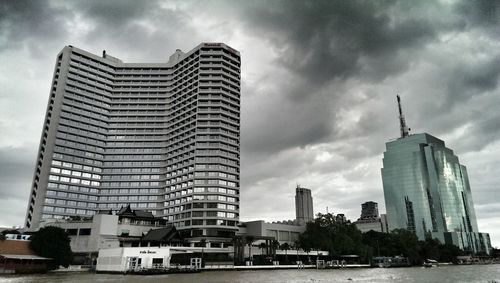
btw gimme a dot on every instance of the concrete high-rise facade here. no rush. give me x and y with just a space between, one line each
427 192
369 209
303 205
162 137
370 220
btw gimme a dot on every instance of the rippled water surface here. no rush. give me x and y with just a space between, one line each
471 273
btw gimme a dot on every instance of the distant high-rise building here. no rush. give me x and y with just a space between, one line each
427 191
162 137
370 220
340 218
303 205
369 209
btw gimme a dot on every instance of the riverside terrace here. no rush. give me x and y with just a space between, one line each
122 260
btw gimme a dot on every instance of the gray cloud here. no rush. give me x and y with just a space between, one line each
468 79
324 40
33 21
16 171
116 13
482 13
318 89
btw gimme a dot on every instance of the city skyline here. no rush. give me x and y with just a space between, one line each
317 90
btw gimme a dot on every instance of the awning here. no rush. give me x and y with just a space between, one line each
33 257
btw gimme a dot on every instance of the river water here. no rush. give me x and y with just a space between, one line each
470 273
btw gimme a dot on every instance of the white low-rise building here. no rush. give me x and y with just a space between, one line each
124 259
136 258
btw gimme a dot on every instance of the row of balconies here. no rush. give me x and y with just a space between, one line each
70 111
90 82
83 89
225 53
223 78
82 95
219 71
83 126
80 139
220 64
82 70
93 134
210 68
81 106
84 119
91 63
233 65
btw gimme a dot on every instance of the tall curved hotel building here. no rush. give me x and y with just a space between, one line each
162 137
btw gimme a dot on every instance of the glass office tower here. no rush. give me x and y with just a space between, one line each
427 191
162 137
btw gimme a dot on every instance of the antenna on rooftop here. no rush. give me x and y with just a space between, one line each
402 123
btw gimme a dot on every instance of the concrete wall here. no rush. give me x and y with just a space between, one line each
104 232
284 233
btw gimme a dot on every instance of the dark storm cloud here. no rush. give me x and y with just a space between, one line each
279 123
474 78
483 13
324 40
30 20
322 44
116 13
145 28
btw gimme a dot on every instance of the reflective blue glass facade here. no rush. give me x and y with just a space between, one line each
427 191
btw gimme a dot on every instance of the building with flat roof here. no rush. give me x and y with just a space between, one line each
303 205
162 137
427 192
369 209
16 256
284 232
125 228
370 219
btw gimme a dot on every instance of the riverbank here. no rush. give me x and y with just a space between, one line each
453 273
277 267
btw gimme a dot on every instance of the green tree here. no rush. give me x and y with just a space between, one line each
249 240
430 249
274 246
449 253
285 247
263 247
239 246
54 243
296 246
336 237
407 243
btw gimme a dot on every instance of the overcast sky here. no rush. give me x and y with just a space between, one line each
319 80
